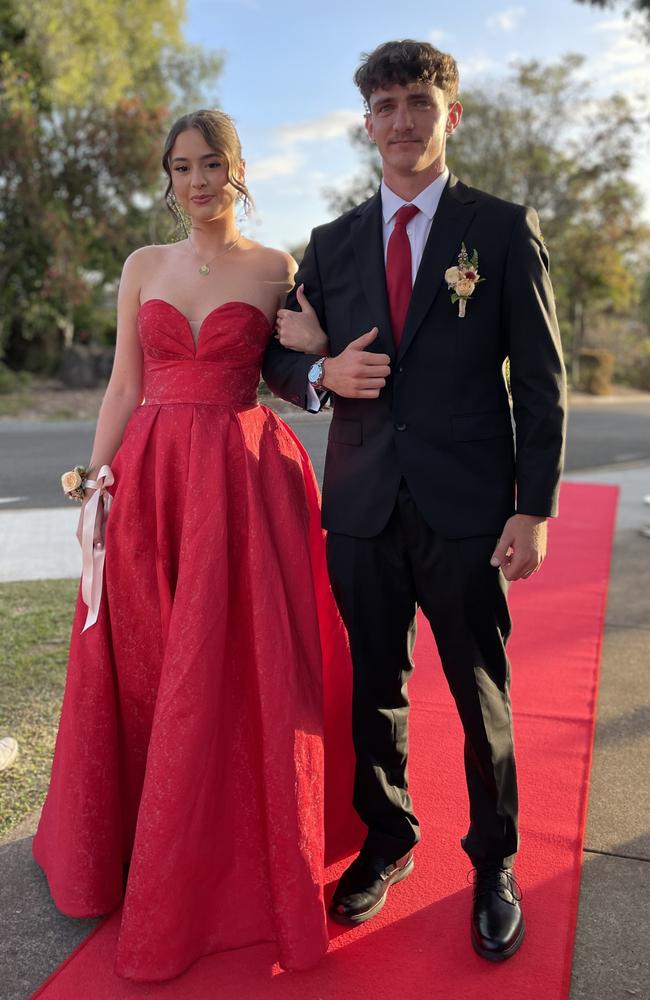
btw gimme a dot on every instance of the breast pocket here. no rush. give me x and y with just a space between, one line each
344 431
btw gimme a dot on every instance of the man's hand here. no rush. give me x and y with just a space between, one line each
357 373
521 549
301 331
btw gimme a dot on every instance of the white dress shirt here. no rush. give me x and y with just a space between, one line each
417 231
418 228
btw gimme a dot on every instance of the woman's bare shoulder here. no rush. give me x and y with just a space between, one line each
150 256
278 263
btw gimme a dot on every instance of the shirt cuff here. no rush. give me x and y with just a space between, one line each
313 402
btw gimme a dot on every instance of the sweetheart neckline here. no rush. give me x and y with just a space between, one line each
230 302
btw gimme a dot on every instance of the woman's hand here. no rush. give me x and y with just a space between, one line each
301 331
100 522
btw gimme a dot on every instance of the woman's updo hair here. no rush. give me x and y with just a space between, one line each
218 130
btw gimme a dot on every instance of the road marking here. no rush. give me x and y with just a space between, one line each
12 499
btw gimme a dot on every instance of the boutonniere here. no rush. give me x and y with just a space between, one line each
463 279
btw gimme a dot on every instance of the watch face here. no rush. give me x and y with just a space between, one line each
314 372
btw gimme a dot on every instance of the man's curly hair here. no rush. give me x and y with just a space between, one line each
406 62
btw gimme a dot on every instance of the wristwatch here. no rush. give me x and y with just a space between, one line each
315 374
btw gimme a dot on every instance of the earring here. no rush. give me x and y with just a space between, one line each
176 209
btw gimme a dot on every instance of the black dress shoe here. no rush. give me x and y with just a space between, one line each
363 887
498 926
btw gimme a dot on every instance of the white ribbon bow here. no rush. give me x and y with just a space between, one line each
93 557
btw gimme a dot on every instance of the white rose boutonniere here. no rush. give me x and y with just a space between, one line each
463 279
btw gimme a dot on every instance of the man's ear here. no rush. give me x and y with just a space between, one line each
454 115
368 124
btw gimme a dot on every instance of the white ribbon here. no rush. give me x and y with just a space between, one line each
93 556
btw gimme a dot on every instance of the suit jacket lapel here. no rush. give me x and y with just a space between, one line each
453 216
366 233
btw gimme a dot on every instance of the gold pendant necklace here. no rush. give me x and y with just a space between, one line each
204 269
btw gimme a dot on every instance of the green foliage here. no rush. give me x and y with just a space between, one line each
87 92
644 301
596 369
95 54
11 381
14 394
640 376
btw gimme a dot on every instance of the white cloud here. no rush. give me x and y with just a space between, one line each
278 165
476 65
437 35
331 126
624 63
505 20
611 24
288 140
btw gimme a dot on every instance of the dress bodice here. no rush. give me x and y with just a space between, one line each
221 367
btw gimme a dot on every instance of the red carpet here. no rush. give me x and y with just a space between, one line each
419 945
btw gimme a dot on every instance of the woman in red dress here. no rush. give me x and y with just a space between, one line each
188 778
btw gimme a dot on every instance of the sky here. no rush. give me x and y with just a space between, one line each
287 80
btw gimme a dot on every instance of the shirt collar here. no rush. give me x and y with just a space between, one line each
427 200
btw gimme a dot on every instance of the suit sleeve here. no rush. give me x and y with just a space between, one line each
537 376
284 370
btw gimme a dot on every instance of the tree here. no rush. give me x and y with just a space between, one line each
86 93
644 302
518 140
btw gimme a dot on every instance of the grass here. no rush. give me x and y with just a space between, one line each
15 403
14 391
36 619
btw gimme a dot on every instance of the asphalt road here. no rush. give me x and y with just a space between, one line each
33 455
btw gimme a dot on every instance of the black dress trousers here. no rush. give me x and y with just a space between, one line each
378 583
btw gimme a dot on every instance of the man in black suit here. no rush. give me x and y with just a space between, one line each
429 498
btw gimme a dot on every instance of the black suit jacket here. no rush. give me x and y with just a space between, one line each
470 455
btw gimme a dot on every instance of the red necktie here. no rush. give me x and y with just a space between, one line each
399 284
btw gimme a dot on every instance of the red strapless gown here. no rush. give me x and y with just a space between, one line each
191 743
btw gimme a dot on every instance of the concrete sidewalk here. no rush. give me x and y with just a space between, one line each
611 950
39 544
611 953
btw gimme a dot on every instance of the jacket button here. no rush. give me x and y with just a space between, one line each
400 369
400 427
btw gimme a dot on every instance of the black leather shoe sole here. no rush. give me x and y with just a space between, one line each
360 918
499 956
